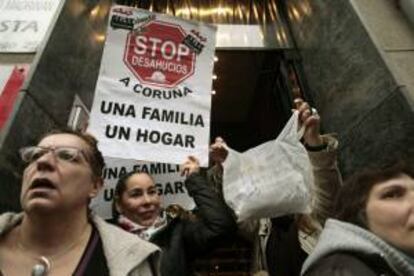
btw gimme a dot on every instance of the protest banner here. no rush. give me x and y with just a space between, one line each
153 94
23 24
11 80
169 183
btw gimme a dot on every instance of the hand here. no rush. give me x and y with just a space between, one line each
218 152
190 166
311 121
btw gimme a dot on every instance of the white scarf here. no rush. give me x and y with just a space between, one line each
144 232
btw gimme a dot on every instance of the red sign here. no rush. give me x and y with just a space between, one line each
157 55
10 91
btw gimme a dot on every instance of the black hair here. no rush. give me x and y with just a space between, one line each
120 189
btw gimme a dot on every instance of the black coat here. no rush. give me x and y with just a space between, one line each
284 255
349 264
183 238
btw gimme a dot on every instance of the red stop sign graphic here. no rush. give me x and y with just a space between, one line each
157 55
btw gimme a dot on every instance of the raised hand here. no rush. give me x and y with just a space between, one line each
218 151
310 119
190 166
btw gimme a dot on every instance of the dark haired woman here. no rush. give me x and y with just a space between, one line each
180 235
374 230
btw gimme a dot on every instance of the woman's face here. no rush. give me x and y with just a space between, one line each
390 212
52 181
140 201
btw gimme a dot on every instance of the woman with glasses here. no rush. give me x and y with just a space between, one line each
56 234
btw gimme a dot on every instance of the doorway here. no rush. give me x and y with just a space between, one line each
253 95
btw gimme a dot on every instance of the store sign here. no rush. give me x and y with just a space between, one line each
23 24
153 95
11 80
168 181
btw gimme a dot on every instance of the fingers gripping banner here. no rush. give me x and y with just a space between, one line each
153 95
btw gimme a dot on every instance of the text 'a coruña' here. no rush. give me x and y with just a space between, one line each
156 93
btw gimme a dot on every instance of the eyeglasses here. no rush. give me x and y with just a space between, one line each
68 154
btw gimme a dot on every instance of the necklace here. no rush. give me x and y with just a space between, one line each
44 263
42 268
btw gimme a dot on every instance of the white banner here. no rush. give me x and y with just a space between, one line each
23 24
169 183
153 95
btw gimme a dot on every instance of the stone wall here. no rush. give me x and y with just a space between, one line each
362 89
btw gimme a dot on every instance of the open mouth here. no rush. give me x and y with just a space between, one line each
42 183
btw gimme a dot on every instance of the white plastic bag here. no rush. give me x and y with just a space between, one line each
272 179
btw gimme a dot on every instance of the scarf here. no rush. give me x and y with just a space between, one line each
144 232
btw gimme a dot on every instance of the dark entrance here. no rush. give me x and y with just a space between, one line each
253 96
